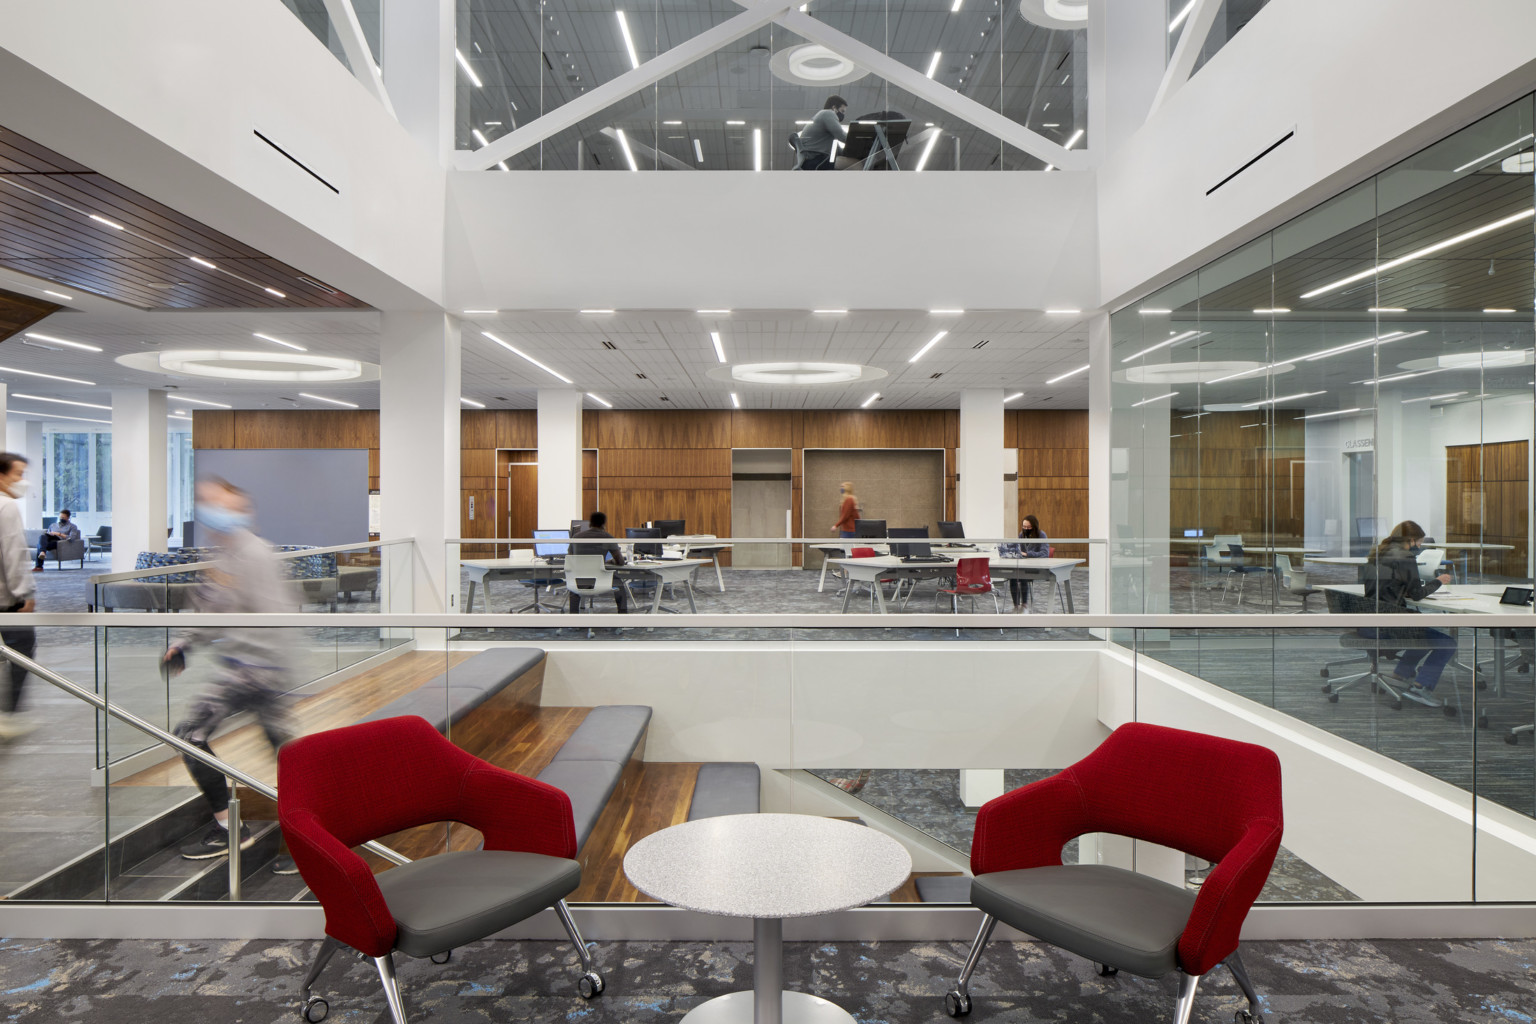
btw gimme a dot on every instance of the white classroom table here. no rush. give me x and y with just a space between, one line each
522 565
698 546
870 570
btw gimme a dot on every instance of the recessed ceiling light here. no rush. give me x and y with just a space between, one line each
829 312
202 262
735 402
60 401
463 63
1016 394
1434 398
197 401
60 341
481 312
698 151
1178 19
274 291
1064 312
714 336
674 123
471 403
480 137
114 225
1490 155
595 312
629 155
1498 311
922 161
869 401
46 376
1283 398
1074 139
332 401
600 401
757 149
1322 415
1069 373
735 122
1154 398
933 64
72 419
58 295
1144 311
1417 254
1272 312
523 355
629 43
1386 309
1174 340
713 312
278 341
946 312
931 342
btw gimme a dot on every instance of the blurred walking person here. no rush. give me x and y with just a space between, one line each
17 589
253 671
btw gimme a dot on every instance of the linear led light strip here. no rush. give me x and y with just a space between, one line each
322 398
471 403
278 341
624 145
869 401
600 401
115 226
629 43
53 416
1336 412
931 342
1069 373
60 341
1178 19
1434 398
60 401
46 376
1489 156
1284 398
714 336
1186 336
523 355
1418 254
1384 339
198 401
735 402
464 63
922 161
1154 398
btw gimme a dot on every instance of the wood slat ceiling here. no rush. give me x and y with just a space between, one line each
46 201
18 312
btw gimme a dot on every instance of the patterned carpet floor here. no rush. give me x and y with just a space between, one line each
256 982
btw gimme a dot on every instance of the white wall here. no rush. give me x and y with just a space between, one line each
579 239
1362 82
164 95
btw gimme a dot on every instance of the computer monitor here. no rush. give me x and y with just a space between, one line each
644 533
951 529
669 527
545 550
869 528
577 525
903 550
1368 527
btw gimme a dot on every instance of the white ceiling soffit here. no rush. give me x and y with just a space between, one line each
1063 14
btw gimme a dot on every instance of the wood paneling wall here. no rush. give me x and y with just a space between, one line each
677 464
1486 501
1228 477
1053 472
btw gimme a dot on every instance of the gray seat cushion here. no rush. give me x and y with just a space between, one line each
726 788
944 889
495 668
608 733
1105 914
429 704
453 898
589 784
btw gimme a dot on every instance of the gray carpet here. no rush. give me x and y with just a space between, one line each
240 982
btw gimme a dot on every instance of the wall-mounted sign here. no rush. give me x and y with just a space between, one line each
1360 444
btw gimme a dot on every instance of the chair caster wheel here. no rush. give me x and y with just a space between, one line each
1327 687
1397 705
1246 1017
957 1003
1333 698
590 985
315 1010
443 957
1449 711
1106 971
1512 739
1482 723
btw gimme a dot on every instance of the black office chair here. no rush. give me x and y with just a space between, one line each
1241 569
1341 603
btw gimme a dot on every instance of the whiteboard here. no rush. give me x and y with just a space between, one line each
302 495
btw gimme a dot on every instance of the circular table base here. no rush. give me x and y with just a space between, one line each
799 1008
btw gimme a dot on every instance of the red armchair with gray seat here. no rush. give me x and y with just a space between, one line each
345 787
1215 798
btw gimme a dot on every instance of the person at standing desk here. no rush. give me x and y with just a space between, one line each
814 143
847 510
1037 548
595 531
1391 578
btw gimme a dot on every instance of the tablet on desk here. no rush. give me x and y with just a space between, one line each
1516 596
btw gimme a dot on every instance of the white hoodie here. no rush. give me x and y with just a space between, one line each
16 583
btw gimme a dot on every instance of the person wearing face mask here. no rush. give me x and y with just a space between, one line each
1391 578
848 511
64 529
252 666
17 590
814 143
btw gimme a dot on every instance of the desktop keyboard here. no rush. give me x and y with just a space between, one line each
924 558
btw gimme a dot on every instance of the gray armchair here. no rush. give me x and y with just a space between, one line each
68 551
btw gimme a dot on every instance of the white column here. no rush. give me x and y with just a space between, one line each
32 504
559 457
419 484
1126 58
138 475
419 70
1100 440
979 462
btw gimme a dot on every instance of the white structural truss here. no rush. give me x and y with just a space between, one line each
349 31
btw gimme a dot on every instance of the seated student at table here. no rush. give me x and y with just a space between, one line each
595 523
1029 530
814 143
1391 577
64 529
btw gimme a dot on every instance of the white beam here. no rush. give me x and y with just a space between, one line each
941 96
641 149
355 45
595 101
1196 27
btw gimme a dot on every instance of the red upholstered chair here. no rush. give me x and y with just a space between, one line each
864 553
972 576
1215 798
345 787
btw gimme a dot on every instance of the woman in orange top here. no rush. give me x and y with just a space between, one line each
847 512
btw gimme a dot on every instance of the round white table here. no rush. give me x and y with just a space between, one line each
767 867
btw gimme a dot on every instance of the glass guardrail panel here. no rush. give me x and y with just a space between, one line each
317 19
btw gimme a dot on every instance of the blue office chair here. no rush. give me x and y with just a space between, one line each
1240 569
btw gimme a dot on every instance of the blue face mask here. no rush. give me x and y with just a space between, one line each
221 520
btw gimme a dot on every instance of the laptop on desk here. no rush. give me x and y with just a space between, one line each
920 552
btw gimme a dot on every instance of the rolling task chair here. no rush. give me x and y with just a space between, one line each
1215 798
588 577
1240 568
1294 581
341 788
1340 603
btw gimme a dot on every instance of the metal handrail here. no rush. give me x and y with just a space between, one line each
100 703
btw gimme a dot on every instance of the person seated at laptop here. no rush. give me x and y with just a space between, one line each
1391 578
64 529
1030 530
595 530
814 143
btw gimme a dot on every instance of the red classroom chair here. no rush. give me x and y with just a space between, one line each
1215 798
344 787
972 576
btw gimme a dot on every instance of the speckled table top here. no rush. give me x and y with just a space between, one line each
767 865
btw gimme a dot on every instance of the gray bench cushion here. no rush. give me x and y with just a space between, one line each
589 784
496 667
944 889
453 898
726 788
1102 913
608 733
448 698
